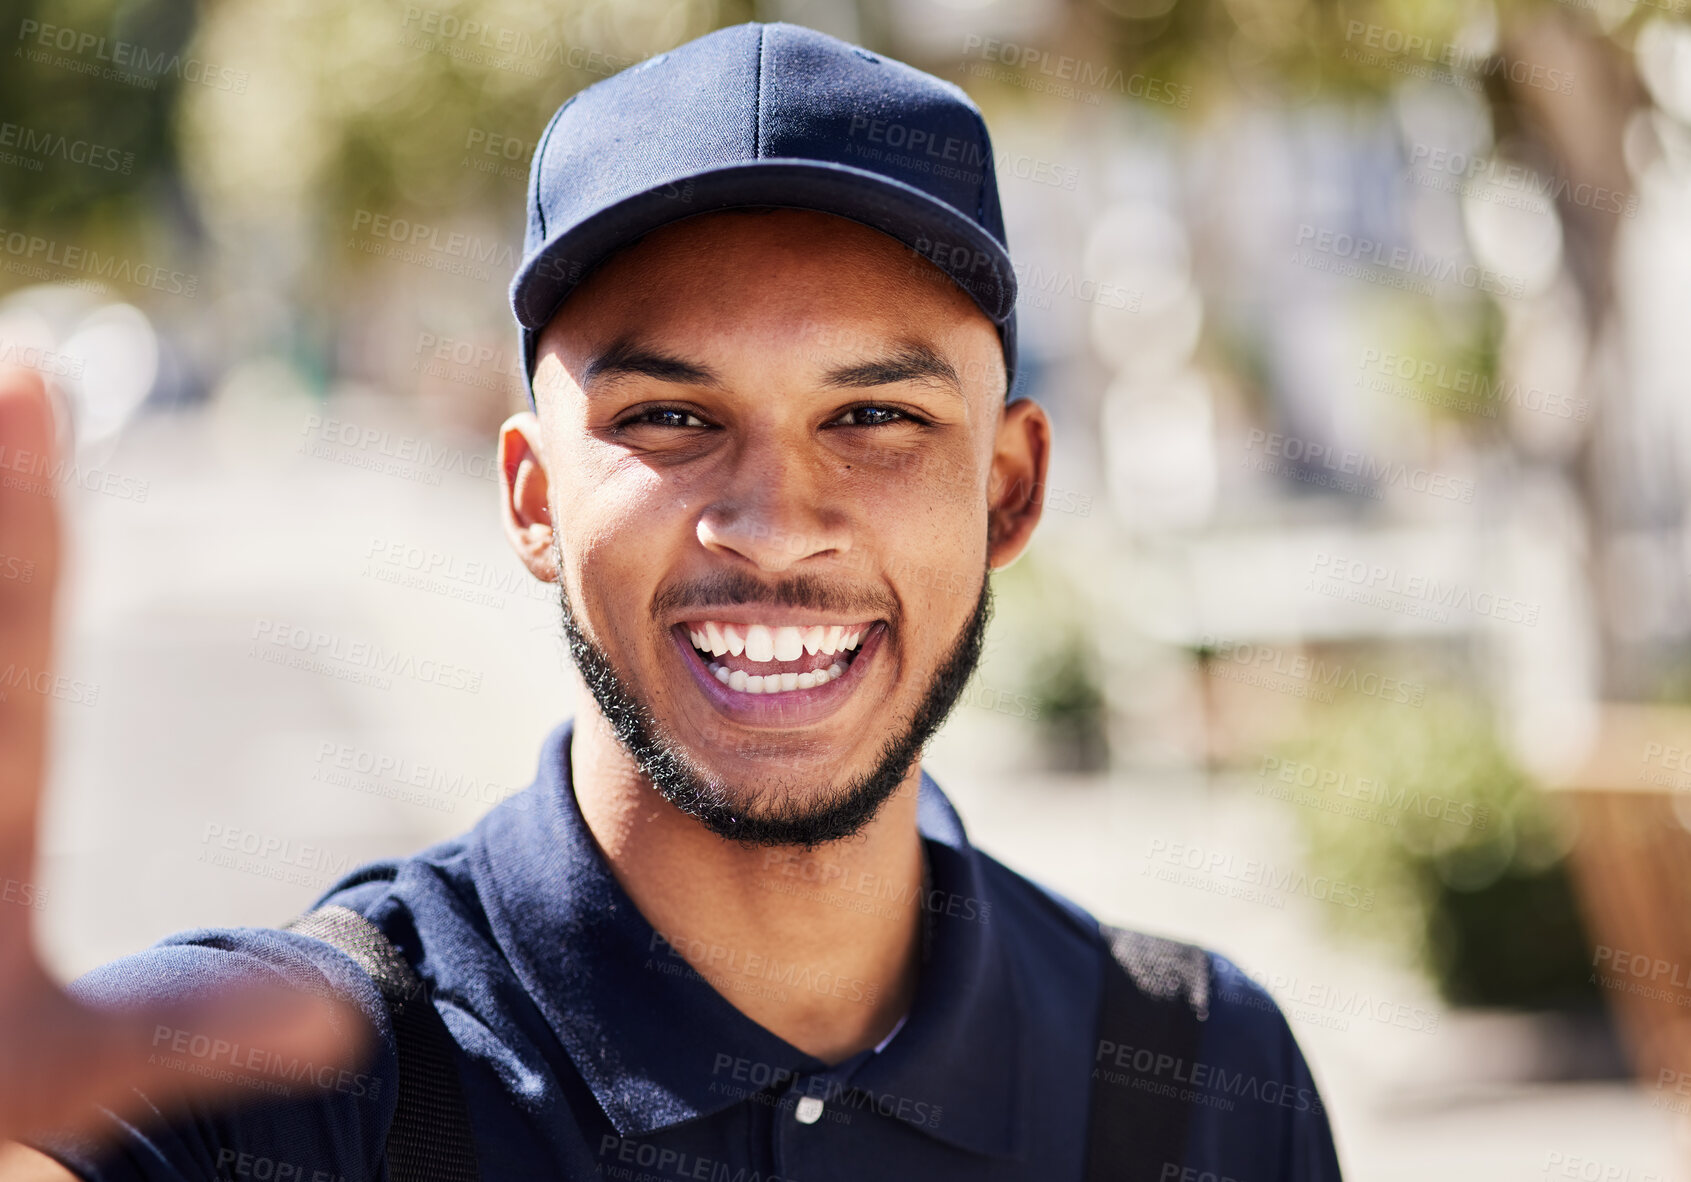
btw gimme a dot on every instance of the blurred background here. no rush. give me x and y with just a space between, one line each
1355 643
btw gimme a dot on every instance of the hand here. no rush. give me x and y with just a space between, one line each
60 1059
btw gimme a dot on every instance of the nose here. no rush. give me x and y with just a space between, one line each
774 511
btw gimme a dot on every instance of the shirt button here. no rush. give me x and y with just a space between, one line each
809 1110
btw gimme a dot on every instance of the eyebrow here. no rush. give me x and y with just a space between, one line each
625 359
913 362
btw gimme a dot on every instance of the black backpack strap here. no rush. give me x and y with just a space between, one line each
1156 996
429 1140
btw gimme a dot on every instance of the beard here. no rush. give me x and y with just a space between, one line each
804 813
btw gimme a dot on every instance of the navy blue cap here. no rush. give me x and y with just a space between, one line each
764 114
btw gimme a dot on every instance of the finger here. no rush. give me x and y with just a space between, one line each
20 1163
256 1042
29 557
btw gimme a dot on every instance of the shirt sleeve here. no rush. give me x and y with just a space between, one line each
290 1120
1262 1118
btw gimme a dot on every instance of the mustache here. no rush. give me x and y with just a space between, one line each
735 587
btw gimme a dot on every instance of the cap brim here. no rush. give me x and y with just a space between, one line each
959 247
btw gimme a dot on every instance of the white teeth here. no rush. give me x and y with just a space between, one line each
774 683
760 643
789 644
782 642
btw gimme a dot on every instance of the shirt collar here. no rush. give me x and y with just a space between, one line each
657 1045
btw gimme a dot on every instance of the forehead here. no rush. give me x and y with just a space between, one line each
778 279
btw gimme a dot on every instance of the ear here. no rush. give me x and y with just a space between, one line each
524 491
1016 486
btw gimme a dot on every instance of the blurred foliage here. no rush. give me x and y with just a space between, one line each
1072 708
43 96
1040 653
1472 872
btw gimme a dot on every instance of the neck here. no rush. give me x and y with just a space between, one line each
819 947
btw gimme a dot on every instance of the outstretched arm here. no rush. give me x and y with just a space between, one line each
60 1060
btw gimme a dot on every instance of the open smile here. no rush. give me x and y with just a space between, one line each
778 672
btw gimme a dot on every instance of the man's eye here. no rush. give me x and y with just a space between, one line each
663 416
870 416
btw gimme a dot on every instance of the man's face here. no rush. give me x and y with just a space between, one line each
770 449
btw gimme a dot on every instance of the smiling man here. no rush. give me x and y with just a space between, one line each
733 930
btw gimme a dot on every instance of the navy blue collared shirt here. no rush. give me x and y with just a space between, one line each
590 1048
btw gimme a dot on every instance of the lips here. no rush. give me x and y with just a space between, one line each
780 707
775 658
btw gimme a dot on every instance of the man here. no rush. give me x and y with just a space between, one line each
732 930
